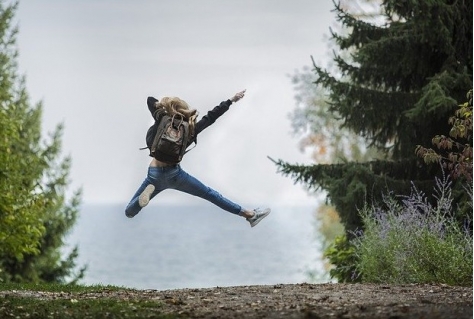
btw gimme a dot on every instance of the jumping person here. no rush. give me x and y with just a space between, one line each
163 175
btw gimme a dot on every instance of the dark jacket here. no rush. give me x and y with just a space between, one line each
203 123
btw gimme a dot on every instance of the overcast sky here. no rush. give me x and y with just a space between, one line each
94 63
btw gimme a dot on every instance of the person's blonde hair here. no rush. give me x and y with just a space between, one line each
174 105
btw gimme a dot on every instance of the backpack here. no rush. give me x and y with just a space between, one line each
167 139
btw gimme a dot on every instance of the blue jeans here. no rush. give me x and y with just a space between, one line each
173 177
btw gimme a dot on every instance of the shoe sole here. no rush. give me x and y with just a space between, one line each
261 217
144 197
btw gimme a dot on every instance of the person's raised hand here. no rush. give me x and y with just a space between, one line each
238 96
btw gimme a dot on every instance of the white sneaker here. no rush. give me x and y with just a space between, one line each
144 197
258 216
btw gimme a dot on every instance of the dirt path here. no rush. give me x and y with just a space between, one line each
315 301
322 301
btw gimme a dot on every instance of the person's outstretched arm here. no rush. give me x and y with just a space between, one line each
216 112
238 96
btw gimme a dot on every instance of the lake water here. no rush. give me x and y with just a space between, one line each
169 247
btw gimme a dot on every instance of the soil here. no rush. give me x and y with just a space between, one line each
310 301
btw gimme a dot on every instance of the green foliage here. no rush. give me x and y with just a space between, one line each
34 213
342 255
395 85
412 241
20 223
456 150
350 186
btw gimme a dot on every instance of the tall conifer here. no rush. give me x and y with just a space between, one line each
34 212
403 81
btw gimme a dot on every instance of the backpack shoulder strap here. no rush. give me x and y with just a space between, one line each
158 113
190 148
161 126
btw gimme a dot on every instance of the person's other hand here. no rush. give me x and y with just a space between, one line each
238 96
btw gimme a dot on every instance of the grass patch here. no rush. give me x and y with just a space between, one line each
76 301
60 288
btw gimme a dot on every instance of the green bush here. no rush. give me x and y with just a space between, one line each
342 255
412 241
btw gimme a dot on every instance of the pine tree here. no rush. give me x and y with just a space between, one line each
403 81
34 212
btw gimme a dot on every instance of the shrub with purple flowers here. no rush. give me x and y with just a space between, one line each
410 240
